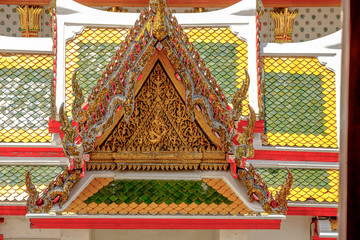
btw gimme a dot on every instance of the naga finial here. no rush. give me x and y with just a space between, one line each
78 114
70 134
258 190
239 96
246 148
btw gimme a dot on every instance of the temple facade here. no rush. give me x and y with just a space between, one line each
170 120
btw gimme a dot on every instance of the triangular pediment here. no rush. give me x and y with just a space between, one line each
160 132
160 121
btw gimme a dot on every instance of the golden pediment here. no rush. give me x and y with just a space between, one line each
160 133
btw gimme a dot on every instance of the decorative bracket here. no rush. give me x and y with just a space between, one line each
283 24
30 20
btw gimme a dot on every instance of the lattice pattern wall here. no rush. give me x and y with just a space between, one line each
158 197
300 103
25 81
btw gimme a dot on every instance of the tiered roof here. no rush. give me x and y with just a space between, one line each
114 67
156 106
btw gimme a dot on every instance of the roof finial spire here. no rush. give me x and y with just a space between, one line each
158 7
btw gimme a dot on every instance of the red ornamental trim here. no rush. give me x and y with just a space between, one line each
320 238
295 156
13 210
312 211
187 3
131 223
31 152
54 126
259 126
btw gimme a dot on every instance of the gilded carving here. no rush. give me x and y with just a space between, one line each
56 192
258 190
245 148
160 28
283 24
160 121
30 17
70 134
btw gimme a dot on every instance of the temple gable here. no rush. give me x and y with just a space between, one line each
162 125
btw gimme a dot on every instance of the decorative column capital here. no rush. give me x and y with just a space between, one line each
199 10
283 24
30 20
117 9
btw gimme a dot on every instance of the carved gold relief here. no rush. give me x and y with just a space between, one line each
160 121
159 28
30 20
283 24
117 9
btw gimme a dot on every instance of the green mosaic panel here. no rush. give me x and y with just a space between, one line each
15 175
294 104
94 57
24 98
158 191
310 178
221 58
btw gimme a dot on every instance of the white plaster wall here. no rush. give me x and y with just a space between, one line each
155 234
76 234
234 235
294 228
18 227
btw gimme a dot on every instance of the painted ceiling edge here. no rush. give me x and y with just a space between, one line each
11 210
156 31
127 223
176 3
260 154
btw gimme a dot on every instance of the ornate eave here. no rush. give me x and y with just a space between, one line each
155 41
